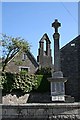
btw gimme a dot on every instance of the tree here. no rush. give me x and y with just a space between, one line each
10 46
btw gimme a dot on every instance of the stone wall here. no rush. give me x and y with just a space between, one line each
17 61
26 98
70 66
41 111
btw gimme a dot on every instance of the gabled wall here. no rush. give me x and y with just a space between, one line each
70 66
18 61
44 56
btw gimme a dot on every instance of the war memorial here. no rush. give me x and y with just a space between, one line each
60 107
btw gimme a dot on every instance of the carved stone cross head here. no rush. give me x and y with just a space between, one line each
56 25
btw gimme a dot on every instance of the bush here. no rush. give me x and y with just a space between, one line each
42 83
24 82
44 71
8 80
42 75
21 81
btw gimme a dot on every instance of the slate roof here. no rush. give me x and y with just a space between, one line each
32 58
77 40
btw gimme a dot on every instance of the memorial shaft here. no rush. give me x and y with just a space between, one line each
56 36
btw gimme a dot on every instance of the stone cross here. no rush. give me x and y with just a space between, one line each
56 36
57 80
56 25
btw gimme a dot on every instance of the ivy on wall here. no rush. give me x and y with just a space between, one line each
24 82
18 81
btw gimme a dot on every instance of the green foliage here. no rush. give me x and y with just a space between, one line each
11 46
1 82
23 82
23 72
42 75
39 79
42 84
8 80
44 71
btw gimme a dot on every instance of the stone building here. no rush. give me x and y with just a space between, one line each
26 61
44 57
70 66
22 61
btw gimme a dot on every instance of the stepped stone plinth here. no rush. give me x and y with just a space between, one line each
57 86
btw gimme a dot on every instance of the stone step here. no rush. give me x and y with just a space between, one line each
69 98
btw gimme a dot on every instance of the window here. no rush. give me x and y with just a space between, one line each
24 57
23 68
72 44
45 49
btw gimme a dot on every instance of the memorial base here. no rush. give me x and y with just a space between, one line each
61 98
57 82
58 98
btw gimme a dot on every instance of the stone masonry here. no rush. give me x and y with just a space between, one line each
70 66
34 111
44 57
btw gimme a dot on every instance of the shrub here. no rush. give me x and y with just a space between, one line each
42 83
44 71
42 75
8 80
23 82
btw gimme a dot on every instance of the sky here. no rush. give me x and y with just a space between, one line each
31 20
